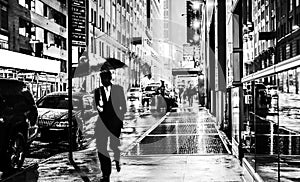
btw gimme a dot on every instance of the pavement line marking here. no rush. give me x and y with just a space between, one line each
178 155
178 123
138 140
134 126
183 134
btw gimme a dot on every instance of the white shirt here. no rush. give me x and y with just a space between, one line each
107 92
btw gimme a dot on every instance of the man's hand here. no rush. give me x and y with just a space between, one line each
99 109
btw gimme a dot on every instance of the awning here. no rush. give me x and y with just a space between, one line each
186 71
10 59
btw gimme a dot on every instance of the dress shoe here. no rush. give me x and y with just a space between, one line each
118 165
104 179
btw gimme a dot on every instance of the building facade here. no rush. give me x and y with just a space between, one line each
33 43
263 85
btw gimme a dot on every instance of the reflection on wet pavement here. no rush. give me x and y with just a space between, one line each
181 133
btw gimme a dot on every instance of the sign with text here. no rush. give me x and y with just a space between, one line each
79 22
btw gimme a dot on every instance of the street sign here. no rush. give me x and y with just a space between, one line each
79 22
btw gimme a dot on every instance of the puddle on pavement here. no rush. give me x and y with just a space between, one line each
184 129
178 144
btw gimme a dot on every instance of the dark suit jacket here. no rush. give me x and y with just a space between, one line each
113 109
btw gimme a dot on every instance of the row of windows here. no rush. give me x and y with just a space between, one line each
103 49
28 29
126 25
44 10
289 50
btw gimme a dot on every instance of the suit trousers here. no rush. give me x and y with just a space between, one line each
103 134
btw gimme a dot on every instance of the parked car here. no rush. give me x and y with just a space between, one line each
135 93
18 123
53 116
149 92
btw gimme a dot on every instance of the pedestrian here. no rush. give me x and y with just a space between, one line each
180 94
111 105
190 92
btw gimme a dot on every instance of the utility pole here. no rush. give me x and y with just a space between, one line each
69 5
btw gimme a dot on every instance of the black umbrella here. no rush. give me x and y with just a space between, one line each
111 64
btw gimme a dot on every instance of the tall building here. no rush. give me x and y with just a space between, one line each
116 29
154 42
174 25
33 43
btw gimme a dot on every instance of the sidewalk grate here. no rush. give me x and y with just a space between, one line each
181 133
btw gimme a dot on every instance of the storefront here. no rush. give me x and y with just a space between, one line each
271 136
42 75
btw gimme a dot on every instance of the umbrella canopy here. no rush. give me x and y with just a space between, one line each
111 64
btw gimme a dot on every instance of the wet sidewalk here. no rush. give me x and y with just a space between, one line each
182 146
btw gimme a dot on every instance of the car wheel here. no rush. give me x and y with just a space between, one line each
77 139
16 151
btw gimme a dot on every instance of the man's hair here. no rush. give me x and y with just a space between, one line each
105 74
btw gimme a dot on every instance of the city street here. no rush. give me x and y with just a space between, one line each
181 146
197 90
134 126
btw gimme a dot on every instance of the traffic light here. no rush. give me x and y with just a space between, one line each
189 19
193 13
189 13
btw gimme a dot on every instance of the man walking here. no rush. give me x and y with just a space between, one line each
111 105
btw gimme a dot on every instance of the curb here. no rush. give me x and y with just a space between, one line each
12 177
222 135
250 173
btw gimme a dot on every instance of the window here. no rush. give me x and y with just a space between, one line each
92 43
24 28
283 53
95 46
107 51
100 22
92 15
4 17
291 49
103 24
298 47
95 18
100 48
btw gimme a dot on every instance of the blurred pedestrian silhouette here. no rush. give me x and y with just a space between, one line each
190 92
180 94
111 105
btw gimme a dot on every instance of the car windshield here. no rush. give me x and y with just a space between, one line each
56 102
151 88
134 89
